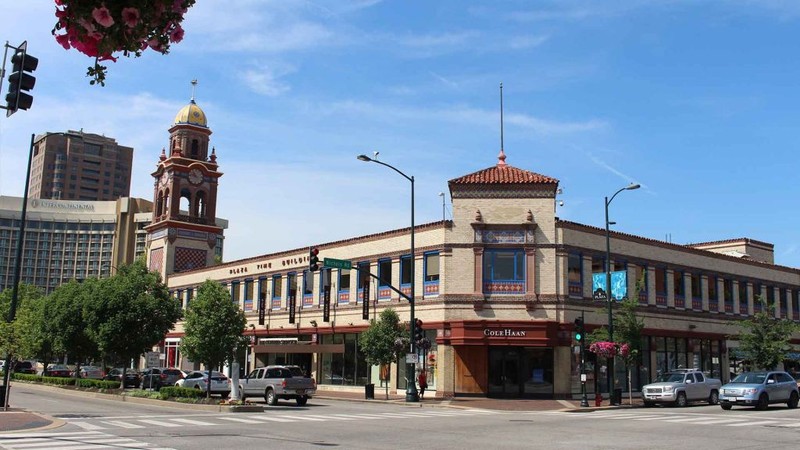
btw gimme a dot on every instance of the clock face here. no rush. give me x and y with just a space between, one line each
195 176
164 178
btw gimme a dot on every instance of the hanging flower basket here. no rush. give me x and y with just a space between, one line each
610 349
100 29
604 348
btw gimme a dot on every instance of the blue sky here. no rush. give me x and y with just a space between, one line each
696 100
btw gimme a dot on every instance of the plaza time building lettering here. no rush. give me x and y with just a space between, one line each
504 333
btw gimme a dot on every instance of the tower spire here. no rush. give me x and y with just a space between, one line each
501 158
194 85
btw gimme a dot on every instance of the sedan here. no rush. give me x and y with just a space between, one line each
92 372
760 389
57 370
131 376
198 379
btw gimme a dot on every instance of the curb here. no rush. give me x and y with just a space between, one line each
54 423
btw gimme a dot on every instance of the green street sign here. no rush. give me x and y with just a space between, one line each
337 263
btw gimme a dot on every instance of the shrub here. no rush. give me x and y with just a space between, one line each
100 384
180 392
58 381
27 377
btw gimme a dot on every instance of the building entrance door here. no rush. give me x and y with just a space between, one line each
520 372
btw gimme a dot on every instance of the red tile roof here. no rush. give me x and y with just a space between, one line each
504 174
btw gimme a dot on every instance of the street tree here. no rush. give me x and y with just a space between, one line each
628 331
14 335
130 312
69 330
765 340
213 328
383 341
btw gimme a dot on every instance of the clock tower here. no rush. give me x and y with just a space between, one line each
183 233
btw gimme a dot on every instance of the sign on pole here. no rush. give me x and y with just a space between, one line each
619 285
337 263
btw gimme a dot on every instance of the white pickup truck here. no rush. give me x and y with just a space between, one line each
278 382
679 387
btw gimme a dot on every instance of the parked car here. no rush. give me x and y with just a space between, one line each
157 377
132 378
278 382
28 367
760 389
57 370
679 387
220 384
92 372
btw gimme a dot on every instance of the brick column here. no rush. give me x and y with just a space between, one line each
670 288
651 283
704 290
735 294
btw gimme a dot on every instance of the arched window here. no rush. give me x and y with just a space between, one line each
200 204
186 201
195 147
160 204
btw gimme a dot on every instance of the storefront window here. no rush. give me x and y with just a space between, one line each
347 369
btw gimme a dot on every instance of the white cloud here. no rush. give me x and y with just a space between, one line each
265 79
525 42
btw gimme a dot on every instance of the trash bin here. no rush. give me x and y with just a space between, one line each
2 396
617 398
369 391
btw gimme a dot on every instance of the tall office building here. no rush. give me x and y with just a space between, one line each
79 166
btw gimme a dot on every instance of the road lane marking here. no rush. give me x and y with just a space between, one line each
192 422
240 420
762 422
159 423
87 426
121 424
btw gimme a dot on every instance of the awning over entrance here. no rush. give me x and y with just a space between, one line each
486 332
299 348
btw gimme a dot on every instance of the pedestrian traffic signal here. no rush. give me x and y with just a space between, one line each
419 333
19 81
579 331
313 259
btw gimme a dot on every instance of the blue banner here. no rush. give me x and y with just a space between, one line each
619 285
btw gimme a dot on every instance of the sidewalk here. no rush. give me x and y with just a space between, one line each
18 420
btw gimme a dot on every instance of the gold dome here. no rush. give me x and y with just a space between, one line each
191 114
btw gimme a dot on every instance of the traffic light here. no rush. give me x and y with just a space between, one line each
19 82
313 259
419 333
579 331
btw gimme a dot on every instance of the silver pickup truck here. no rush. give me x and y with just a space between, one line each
278 382
680 387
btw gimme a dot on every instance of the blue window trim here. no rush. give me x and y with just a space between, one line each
261 282
248 281
277 280
381 282
360 278
518 273
339 281
406 258
306 273
678 275
425 267
234 288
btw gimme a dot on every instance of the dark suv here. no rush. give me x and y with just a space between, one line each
157 377
25 367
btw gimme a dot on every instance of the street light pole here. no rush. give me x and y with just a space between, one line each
411 385
609 298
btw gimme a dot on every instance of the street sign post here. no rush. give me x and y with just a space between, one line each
337 263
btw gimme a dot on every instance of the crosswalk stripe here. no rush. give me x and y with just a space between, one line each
647 417
332 416
361 416
88 426
121 424
80 440
309 418
719 421
48 435
762 422
790 425
272 419
240 420
191 422
159 423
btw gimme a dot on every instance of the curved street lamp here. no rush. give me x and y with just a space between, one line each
411 386
609 299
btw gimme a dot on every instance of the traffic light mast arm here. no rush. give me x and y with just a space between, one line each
402 294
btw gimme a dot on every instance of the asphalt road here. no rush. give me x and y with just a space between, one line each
96 423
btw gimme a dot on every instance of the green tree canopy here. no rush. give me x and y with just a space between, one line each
213 327
379 342
66 322
130 312
16 337
765 339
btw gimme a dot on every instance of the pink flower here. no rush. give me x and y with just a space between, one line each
155 45
130 16
63 39
102 16
176 35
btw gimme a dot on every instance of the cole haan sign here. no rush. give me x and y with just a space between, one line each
508 332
